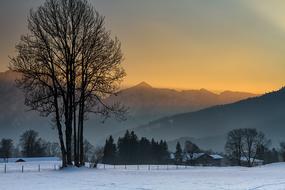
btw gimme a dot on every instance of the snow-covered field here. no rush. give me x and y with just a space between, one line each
197 178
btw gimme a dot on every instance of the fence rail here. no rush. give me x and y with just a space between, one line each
38 167
29 167
143 167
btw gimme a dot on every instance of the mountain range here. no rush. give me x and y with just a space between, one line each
210 126
145 104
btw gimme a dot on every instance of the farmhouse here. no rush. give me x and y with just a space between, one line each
203 159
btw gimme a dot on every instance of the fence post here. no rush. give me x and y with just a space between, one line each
138 167
148 167
114 166
22 168
104 167
176 166
54 167
166 166
5 168
39 168
157 167
125 166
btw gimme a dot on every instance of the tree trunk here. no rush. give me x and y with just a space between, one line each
57 117
75 143
80 132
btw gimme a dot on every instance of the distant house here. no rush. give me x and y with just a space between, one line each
203 159
20 160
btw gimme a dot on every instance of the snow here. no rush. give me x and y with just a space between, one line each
196 155
133 178
216 156
251 159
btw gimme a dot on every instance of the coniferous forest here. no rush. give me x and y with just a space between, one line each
131 150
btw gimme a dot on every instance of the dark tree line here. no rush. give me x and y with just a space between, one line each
30 145
69 64
132 150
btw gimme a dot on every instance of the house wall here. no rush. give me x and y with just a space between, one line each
207 160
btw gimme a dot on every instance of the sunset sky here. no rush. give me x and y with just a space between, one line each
185 44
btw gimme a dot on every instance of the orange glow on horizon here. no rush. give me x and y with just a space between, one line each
217 45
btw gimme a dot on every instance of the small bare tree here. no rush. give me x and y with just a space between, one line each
69 64
253 141
234 145
6 148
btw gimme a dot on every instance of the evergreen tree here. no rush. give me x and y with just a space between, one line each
178 154
165 152
154 151
133 148
110 151
128 148
144 151
123 148
134 151
282 150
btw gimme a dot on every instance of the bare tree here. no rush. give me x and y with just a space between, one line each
245 143
69 65
52 149
89 150
31 144
252 142
97 157
6 148
234 145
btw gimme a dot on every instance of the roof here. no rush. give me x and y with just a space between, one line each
216 156
20 160
198 155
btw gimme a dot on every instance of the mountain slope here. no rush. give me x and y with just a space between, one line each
152 103
265 113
